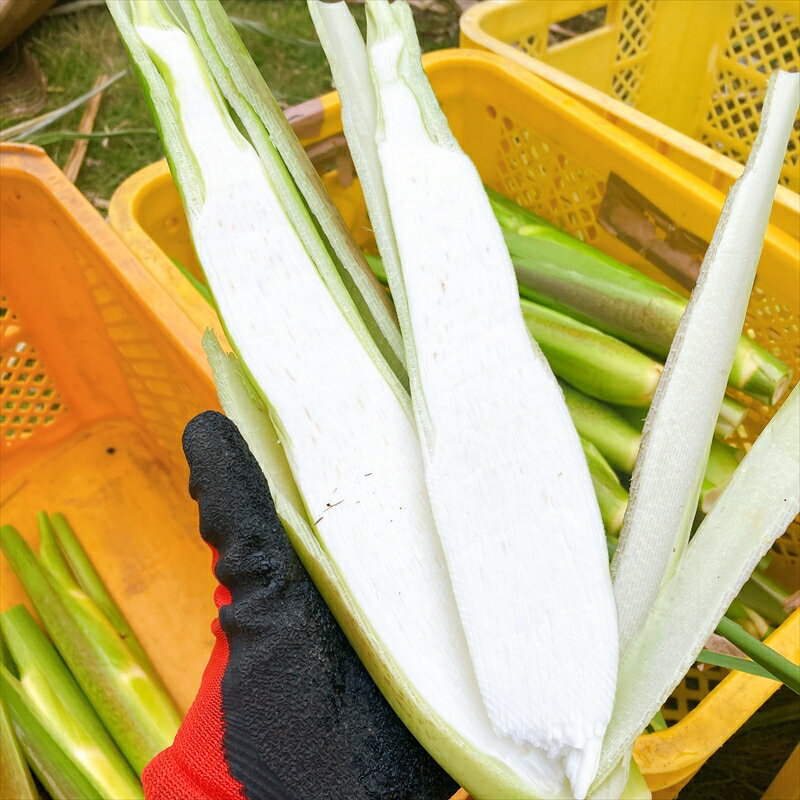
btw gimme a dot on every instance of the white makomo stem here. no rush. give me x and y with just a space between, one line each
346 427
509 487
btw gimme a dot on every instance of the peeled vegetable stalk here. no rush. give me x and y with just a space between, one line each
341 412
469 355
50 694
137 713
560 271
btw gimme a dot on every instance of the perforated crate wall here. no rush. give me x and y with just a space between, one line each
165 403
29 400
760 41
633 46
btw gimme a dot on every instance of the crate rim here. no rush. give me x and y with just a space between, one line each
472 36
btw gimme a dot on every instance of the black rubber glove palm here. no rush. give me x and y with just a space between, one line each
286 707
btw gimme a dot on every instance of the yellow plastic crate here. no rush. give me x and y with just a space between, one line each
553 155
685 76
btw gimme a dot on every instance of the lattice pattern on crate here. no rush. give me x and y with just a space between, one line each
538 174
165 405
773 325
29 401
534 43
760 41
694 687
633 45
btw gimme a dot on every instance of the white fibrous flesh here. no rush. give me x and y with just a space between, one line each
508 483
349 438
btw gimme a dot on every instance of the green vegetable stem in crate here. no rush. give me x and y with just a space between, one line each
564 273
76 757
118 680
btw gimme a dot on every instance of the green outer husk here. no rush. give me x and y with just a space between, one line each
54 768
91 583
64 709
611 496
557 270
15 777
140 718
773 662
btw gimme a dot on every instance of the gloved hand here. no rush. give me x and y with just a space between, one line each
285 709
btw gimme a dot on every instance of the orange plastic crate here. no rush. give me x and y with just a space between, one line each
100 372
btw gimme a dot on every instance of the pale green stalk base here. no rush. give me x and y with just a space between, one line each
140 718
16 782
63 708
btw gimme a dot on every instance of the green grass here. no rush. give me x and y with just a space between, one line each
73 49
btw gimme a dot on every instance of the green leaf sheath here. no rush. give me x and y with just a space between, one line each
59 774
734 662
616 438
91 583
15 778
611 495
597 364
64 709
50 554
559 271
